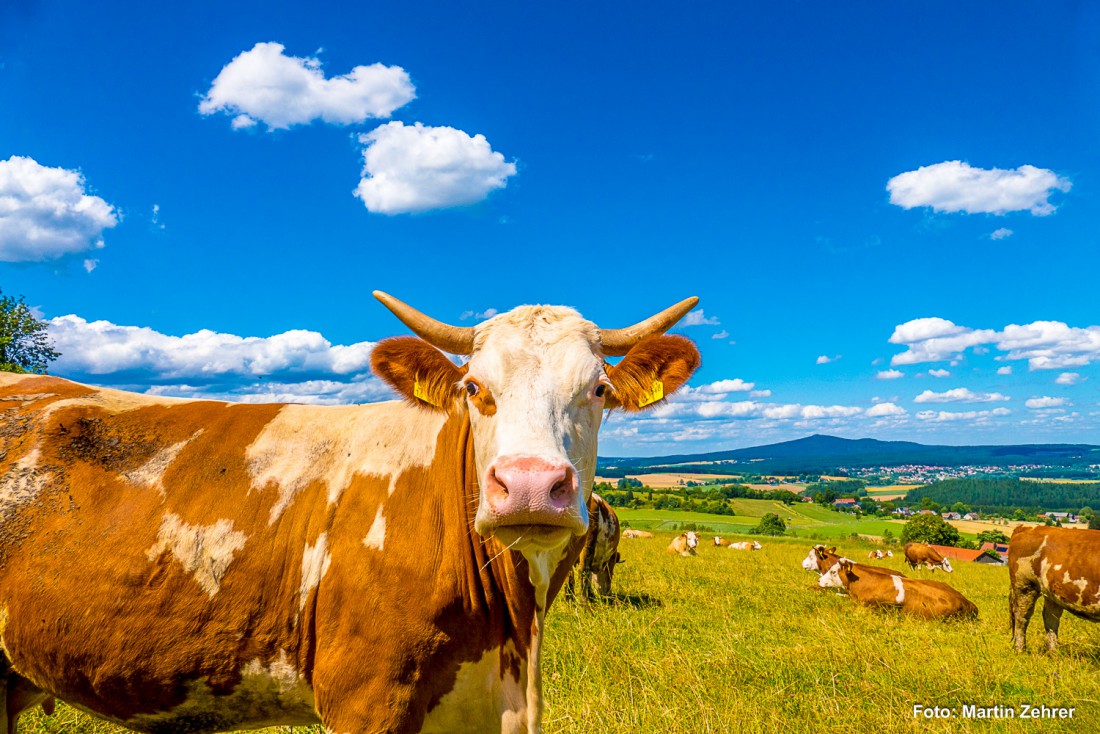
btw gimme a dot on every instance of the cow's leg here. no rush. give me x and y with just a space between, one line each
1023 601
1052 618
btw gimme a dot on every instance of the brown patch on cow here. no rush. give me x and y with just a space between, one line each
922 598
670 359
417 370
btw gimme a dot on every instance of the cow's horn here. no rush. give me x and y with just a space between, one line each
452 339
617 342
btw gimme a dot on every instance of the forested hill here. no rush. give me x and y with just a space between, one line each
1003 495
825 454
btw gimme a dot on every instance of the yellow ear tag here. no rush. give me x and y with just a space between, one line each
421 394
655 393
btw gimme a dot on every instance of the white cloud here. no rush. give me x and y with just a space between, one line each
1045 344
1068 378
90 264
313 392
825 359
955 186
102 348
959 395
45 212
939 373
883 410
889 375
1046 402
725 386
723 334
1006 370
696 318
265 85
415 168
760 393
1000 234
970 415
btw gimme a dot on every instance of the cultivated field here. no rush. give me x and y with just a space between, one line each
668 480
732 641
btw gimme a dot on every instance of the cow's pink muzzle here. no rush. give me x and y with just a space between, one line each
526 490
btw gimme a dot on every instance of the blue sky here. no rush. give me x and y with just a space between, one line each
880 206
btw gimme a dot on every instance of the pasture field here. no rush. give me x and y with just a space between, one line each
669 480
732 641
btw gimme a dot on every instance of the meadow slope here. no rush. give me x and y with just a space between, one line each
731 641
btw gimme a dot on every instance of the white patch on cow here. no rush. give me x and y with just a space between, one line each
203 550
946 566
315 562
270 693
376 536
831 578
810 561
485 698
149 474
25 400
22 482
112 401
899 584
331 444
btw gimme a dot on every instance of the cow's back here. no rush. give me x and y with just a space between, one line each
1061 563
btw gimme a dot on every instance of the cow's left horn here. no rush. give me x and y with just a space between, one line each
452 339
617 342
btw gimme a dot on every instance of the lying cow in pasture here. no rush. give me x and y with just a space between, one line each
684 544
916 597
1060 564
640 534
879 553
720 542
821 559
919 554
197 566
746 545
596 564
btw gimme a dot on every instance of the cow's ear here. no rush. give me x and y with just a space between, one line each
417 370
653 369
831 551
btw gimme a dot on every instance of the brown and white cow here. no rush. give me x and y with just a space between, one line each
637 534
746 545
920 554
1060 564
684 544
922 598
182 565
720 542
596 564
878 553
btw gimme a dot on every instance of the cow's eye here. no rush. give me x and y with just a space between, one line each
600 390
471 388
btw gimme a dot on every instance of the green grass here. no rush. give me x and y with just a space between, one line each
731 641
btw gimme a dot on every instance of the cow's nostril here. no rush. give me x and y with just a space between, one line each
560 489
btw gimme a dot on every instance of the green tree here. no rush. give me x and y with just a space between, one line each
770 524
24 344
1094 522
960 508
887 537
929 529
992 536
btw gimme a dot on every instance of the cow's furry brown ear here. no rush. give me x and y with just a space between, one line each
652 370
831 551
417 370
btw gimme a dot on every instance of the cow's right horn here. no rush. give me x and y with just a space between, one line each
617 342
452 339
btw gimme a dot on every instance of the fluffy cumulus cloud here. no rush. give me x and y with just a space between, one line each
889 375
826 359
1046 403
939 373
1001 233
416 168
698 318
1006 370
265 85
955 186
46 213
977 416
101 348
885 410
959 395
1068 378
1044 344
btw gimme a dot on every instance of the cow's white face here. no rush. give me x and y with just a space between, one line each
692 539
831 578
946 566
756 545
810 561
536 388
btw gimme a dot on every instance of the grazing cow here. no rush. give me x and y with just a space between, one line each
197 566
684 544
916 597
632 533
821 559
720 543
1061 565
596 564
919 554
746 546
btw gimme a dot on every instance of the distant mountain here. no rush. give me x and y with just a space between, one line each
823 454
